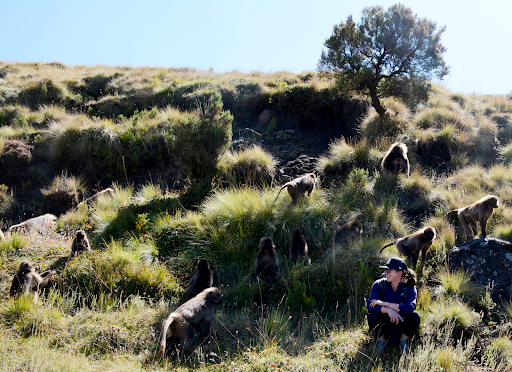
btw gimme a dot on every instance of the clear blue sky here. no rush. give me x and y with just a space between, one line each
243 35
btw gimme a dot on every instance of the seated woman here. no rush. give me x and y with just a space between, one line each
392 304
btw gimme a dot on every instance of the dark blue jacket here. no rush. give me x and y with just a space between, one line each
406 307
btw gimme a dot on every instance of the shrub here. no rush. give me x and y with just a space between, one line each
252 166
200 142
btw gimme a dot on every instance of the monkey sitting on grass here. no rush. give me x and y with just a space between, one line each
27 281
195 314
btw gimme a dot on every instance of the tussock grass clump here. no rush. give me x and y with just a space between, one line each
343 157
16 117
13 243
46 91
459 285
438 352
505 153
77 139
445 311
252 166
498 354
486 142
355 193
63 194
440 117
117 275
7 199
473 179
418 196
395 122
52 113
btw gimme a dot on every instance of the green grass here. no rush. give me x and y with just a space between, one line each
103 310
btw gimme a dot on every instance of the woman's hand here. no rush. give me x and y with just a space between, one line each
374 303
394 316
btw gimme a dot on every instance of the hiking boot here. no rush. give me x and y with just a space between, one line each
404 345
381 345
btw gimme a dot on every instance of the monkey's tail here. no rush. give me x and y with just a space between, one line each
390 244
163 338
281 189
451 214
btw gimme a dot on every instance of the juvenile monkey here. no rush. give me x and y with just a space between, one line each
298 247
80 244
478 212
267 263
349 232
299 186
395 161
197 313
27 281
411 245
202 279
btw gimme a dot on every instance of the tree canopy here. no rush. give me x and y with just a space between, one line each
388 53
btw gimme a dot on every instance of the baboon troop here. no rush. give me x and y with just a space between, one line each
202 279
395 161
411 245
298 248
197 313
478 212
349 232
80 244
27 281
267 263
299 186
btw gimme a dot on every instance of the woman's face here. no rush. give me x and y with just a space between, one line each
392 275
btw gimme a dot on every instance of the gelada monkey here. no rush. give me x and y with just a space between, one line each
299 186
80 244
298 248
195 314
349 232
27 281
267 263
478 212
202 279
411 245
395 161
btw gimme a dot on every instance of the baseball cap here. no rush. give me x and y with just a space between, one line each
395 263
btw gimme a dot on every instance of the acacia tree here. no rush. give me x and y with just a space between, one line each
387 53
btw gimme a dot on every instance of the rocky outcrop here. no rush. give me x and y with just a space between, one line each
489 261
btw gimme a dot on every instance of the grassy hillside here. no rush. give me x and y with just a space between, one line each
161 138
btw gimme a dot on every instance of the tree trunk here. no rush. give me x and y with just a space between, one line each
376 102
